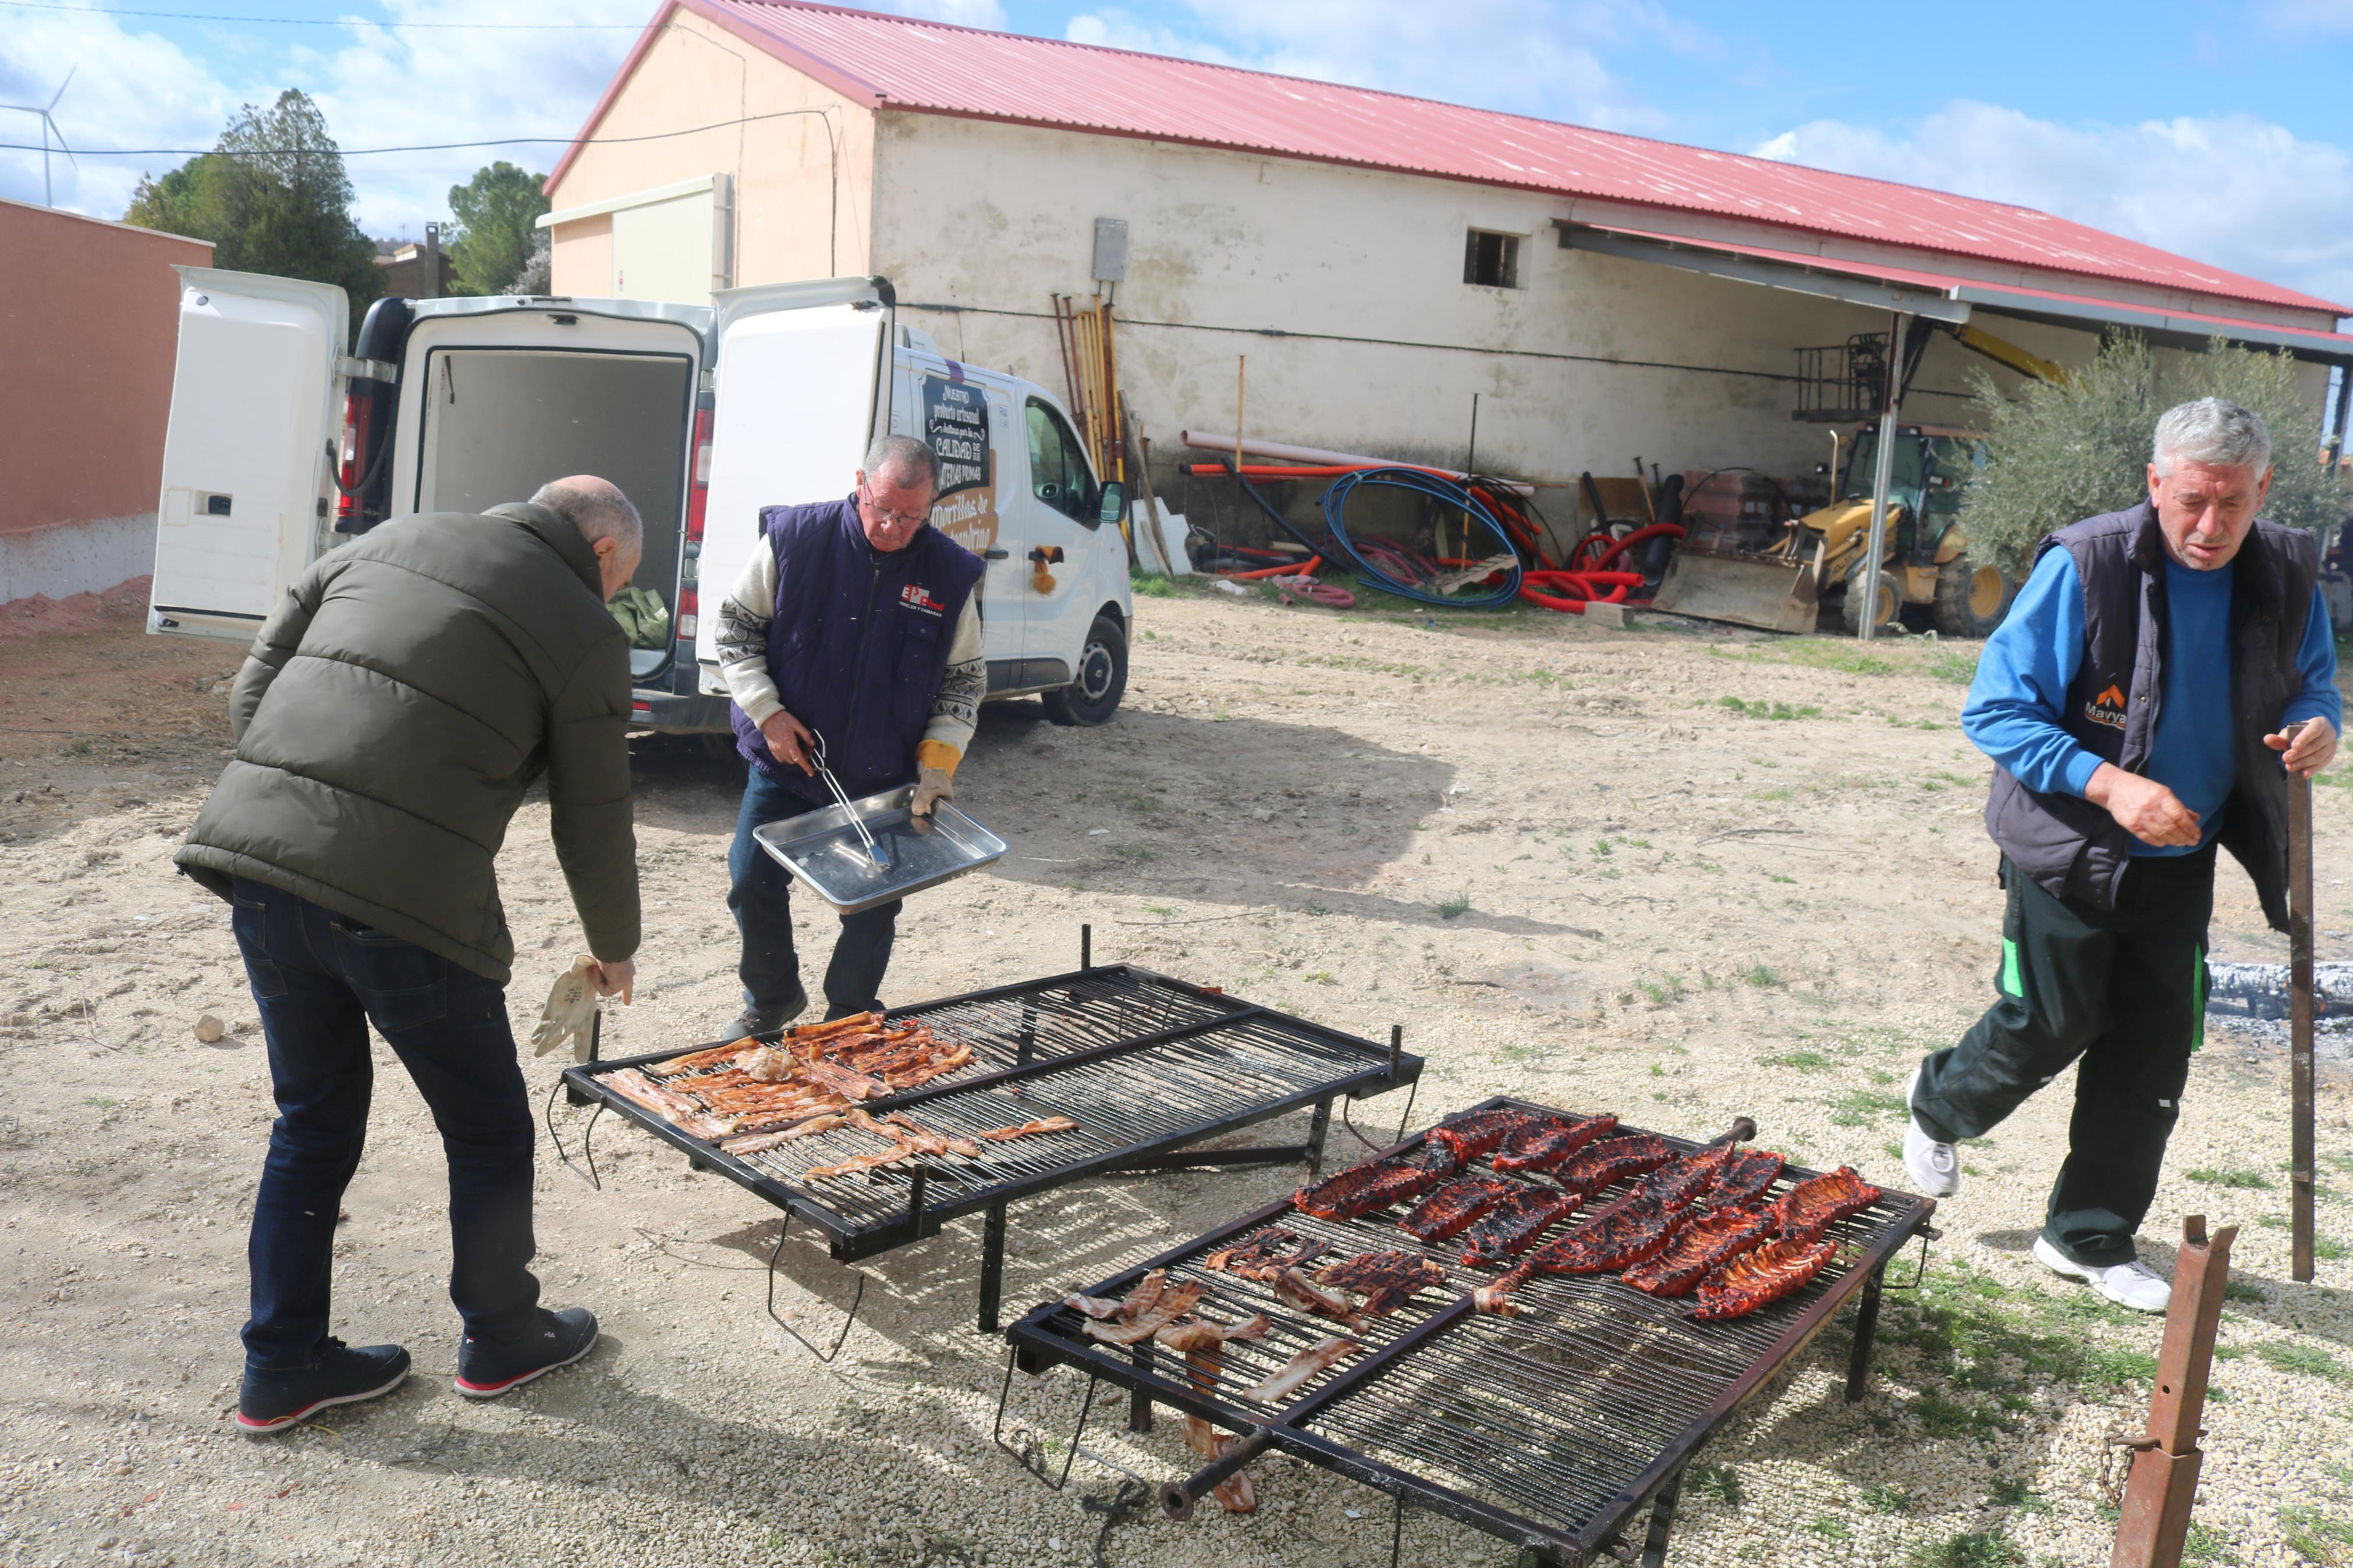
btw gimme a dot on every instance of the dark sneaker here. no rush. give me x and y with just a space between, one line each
279 1401
767 1020
488 1368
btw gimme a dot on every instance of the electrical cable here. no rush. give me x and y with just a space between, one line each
1445 493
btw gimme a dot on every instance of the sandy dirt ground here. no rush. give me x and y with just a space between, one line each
1682 875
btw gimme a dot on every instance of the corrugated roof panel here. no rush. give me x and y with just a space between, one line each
936 68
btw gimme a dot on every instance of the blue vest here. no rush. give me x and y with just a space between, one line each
857 645
2074 850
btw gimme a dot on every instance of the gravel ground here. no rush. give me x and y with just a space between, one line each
1680 876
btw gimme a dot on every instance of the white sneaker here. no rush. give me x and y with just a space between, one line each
2134 1285
1935 1167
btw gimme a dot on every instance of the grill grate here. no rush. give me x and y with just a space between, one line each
1552 1428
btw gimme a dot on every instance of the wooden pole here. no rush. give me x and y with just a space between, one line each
2163 1484
2300 1008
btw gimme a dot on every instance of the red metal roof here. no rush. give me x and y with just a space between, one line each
898 62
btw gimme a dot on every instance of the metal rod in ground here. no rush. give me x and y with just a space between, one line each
2164 1480
2300 1009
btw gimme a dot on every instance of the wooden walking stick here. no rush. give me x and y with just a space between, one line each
2163 1483
2300 1008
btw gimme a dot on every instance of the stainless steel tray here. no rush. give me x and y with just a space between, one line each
824 850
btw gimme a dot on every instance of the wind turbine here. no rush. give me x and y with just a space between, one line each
50 129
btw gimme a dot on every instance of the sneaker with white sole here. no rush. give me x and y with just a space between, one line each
1935 1166
2134 1284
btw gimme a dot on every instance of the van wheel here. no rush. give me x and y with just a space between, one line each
1094 696
1971 599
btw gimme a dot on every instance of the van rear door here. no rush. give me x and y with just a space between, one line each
246 452
803 386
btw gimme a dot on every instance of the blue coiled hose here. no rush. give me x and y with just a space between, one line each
1335 506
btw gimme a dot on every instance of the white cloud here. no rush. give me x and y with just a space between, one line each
2300 16
1523 55
126 85
2230 190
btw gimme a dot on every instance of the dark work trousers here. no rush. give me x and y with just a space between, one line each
761 895
321 979
2125 992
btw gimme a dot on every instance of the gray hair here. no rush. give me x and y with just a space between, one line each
2211 430
905 458
597 508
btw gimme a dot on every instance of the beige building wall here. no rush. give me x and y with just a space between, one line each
802 180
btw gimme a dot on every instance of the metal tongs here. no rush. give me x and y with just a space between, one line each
873 850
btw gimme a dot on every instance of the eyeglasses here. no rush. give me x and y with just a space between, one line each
903 519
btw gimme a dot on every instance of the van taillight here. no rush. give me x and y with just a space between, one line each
689 602
698 492
351 460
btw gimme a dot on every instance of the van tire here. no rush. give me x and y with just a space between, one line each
1094 696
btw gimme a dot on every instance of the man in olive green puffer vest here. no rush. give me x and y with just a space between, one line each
389 719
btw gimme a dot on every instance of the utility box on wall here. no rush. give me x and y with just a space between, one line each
1111 251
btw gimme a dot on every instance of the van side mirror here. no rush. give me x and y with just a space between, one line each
1114 502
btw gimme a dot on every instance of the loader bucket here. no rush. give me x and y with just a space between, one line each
1745 589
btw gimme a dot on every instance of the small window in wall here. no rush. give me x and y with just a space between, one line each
1492 259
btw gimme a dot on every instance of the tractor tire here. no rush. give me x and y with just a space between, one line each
1891 602
1094 695
1971 599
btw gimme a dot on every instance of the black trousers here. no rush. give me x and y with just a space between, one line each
2123 993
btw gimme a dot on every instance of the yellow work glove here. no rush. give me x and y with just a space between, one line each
570 1012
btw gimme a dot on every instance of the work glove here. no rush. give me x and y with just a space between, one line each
570 1012
932 785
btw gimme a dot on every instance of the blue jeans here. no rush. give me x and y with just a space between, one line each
321 978
761 895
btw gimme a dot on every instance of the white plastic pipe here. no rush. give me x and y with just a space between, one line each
1316 457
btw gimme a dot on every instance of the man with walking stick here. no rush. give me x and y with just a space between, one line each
2163 672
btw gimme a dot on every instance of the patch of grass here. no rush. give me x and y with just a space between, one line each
2329 1250
1971 1549
1960 669
1720 1482
1778 877
2308 1361
1761 976
100 1101
1862 1107
1460 904
1888 1500
2011 1492
1661 991
1134 852
1151 585
1829 1529
1943 1418
1317 909
1804 1061
2317 1537
2254 1180
1762 709
1159 908
2204 1543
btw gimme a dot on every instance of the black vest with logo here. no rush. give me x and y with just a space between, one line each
2074 850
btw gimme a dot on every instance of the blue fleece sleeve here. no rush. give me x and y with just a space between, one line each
2020 690
2315 659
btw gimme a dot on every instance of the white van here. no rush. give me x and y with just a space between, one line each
702 413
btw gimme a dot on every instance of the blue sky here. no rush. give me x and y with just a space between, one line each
2219 131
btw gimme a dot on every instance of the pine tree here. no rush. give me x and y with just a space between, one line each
493 236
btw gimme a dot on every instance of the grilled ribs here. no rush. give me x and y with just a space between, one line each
1635 1227
1512 1226
1597 1165
1478 1132
1265 1254
1376 1184
1451 1209
1684 1179
1699 1249
1814 1205
1749 1176
1548 1142
1754 1278
1387 1280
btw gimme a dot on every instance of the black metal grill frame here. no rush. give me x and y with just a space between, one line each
1121 1043
1592 1319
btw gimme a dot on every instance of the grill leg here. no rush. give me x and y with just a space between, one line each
1317 1132
1139 1403
992 1267
1663 1519
1866 1326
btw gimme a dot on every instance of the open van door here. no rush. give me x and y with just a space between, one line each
253 400
803 386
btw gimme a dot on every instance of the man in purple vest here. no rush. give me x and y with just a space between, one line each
2162 672
855 621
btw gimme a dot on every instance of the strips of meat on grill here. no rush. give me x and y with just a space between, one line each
1265 1254
1766 1275
1377 1184
1295 1289
1598 1165
1549 1141
1195 1334
1451 1208
1478 1132
1387 1280
1302 1367
1513 1226
1751 1173
1104 1308
1171 1304
1685 1179
1816 1204
1705 1244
